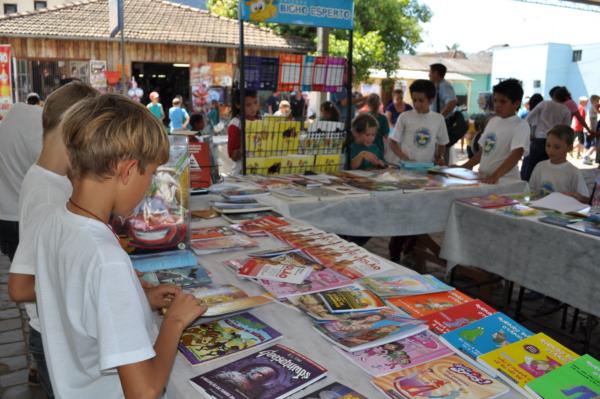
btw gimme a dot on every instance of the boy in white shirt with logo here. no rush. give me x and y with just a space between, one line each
420 135
505 139
97 327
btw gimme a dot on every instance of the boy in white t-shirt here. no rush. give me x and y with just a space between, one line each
505 139
556 173
44 187
420 135
98 331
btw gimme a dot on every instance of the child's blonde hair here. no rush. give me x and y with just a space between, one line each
60 100
101 131
176 101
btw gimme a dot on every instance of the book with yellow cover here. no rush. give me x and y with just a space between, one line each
255 166
525 360
328 163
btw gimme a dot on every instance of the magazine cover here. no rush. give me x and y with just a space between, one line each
528 359
335 391
224 337
448 377
366 330
401 354
405 284
275 372
423 305
282 268
183 277
360 265
319 280
457 316
485 335
314 307
353 298
578 379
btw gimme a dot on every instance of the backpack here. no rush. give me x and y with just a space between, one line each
457 127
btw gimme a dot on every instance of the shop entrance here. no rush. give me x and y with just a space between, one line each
168 80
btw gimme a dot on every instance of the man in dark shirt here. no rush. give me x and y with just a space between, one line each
298 105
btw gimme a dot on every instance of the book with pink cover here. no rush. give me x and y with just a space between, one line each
283 268
319 280
401 354
490 201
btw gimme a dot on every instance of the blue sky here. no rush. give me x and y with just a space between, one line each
479 24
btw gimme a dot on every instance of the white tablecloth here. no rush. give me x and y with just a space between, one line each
296 328
555 261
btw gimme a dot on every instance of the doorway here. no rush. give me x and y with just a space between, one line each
168 80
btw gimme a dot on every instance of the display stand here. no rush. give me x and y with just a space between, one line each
279 146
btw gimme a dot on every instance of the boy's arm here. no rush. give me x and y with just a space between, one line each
187 119
21 287
439 155
473 161
505 167
396 148
162 112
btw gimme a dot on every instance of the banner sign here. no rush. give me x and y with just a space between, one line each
115 17
325 13
5 80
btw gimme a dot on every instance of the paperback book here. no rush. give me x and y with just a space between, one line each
460 173
183 277
447 377
207 233
283 268
490 201
217 339
528 359
401 354
244 193
423 305
224 244
237 218
405 284
163 260
315 308
353 298
275 372
335 391
320 279
457 316
224 299
366 330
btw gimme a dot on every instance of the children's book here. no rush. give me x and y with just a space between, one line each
489 201
320 279
366 330
163 260
588 226
560 203
528 359
225 244
217 339
520 210
579 379
405 284
447 377
460 173
353 298
246 193
401 354
457 316
261 225
207 233
183 277
361 266
423 305
275 372
223 299
485 335
237 218
315 308
283 268
335 391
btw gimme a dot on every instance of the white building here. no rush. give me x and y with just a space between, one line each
13 6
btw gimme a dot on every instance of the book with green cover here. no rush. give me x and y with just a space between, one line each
579 379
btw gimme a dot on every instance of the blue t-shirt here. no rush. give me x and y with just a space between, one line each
177 115
446 94
356 149
395 114
156 109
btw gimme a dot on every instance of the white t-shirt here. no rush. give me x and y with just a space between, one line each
41 191
500 137
563 178
420 134
93 311
20 146
546 115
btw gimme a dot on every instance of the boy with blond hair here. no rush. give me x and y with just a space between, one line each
45 185
99 335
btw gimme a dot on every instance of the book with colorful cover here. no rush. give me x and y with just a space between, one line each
579 379
217 339
589 226
226 298
458 172
163 260
262 224
353 298
405 284
558 219
448 377
237 218
423 305
183 277
275 372
245 193
321 279
485 335
450 319
207 233
489 201
314 307
520 210
225 244
528 359
334 391
401 354
283 268
366 330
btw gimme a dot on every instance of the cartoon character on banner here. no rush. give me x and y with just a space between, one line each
261 10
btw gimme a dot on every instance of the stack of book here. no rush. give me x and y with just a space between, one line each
209 240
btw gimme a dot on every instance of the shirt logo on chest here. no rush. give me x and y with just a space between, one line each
490 143
422 137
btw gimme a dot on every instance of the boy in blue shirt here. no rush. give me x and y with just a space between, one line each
178 116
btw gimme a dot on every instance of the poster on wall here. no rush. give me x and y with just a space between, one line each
97 75
209 82
5 80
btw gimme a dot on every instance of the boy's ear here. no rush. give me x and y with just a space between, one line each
125 169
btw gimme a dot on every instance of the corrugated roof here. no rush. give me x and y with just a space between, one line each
154 21
478 65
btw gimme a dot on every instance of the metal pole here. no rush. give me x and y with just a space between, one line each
348 120
322 49
242 99
123 75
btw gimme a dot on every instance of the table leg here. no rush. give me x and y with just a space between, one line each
574 322
508 290
591 323
519 304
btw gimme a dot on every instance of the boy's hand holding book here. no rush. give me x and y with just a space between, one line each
184 309
161 296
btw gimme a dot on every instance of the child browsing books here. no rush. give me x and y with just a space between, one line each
556 173
99 334
234 130
420 135
364 153
505 139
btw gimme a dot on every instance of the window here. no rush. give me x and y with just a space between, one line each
577 55
217 54
10 8
537 84
38 5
